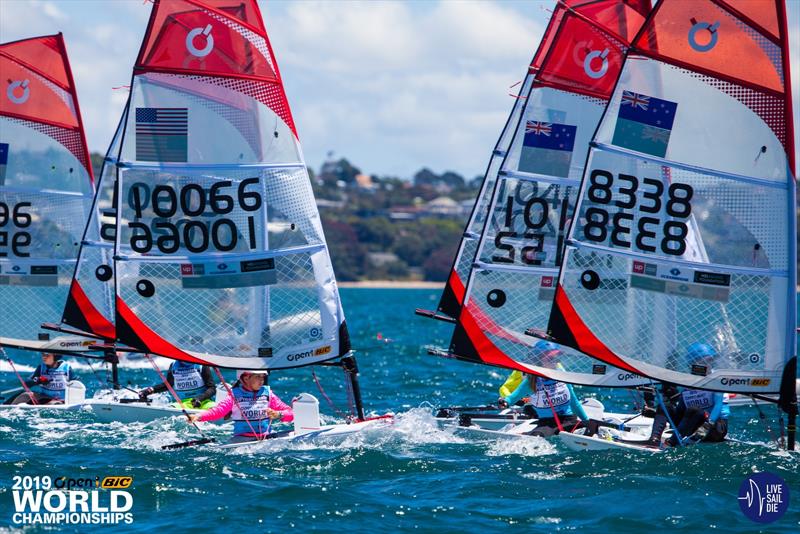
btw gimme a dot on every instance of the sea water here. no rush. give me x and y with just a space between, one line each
411 476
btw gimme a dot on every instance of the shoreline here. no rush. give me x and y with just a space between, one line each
405 284
392 284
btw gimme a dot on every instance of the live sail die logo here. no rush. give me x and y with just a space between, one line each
46 500
764 497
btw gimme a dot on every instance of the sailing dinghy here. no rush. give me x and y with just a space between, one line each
215 245
688 201
503 278
46 189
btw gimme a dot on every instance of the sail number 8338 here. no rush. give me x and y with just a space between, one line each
192 203
652 201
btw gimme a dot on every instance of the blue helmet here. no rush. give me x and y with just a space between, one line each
700 351
543 347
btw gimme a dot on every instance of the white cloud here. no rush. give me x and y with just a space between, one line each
395 87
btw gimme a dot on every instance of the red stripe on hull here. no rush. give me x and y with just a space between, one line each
153 343
586 340
98 323
487 351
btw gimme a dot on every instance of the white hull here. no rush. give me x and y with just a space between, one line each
324 433
517 425
605 442
108 411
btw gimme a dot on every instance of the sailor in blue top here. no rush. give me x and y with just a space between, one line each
547 396
48 383
193 383
700 415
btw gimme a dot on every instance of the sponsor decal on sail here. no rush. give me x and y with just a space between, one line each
681 281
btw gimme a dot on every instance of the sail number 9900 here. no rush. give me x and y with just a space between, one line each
190 202
601 225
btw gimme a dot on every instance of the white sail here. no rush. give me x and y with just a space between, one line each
689 197
219 256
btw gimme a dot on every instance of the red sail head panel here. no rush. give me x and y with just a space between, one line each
549 35
42 52
762 13
584 59
706 37
184 37
29 95
622 18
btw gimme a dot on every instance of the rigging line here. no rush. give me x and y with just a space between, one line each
327 398
669 417
21 381
550 402
174 393
97 377
348 387
635 400
258 436
763 417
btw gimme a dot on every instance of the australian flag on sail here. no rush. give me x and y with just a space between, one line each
3 162
162 134
547 148
644 123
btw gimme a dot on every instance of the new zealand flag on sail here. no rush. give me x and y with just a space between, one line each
644 123
547 148
162 134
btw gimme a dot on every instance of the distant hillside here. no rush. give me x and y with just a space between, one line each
389 228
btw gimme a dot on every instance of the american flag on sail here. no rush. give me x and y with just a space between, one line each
162 134
644 123
547 148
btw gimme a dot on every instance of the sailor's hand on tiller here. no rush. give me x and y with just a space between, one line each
193 417
273 414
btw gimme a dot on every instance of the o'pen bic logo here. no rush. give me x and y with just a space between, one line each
591 72
764 497
11 92
200 52
698 27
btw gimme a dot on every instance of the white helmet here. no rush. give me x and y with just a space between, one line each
240 372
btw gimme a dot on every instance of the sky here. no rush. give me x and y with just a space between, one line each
392 86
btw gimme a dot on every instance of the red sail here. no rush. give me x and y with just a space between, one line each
39 66
224 38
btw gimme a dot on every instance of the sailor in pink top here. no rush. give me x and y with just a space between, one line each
252 407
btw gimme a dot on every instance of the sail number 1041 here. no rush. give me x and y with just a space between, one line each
653 199
193 217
